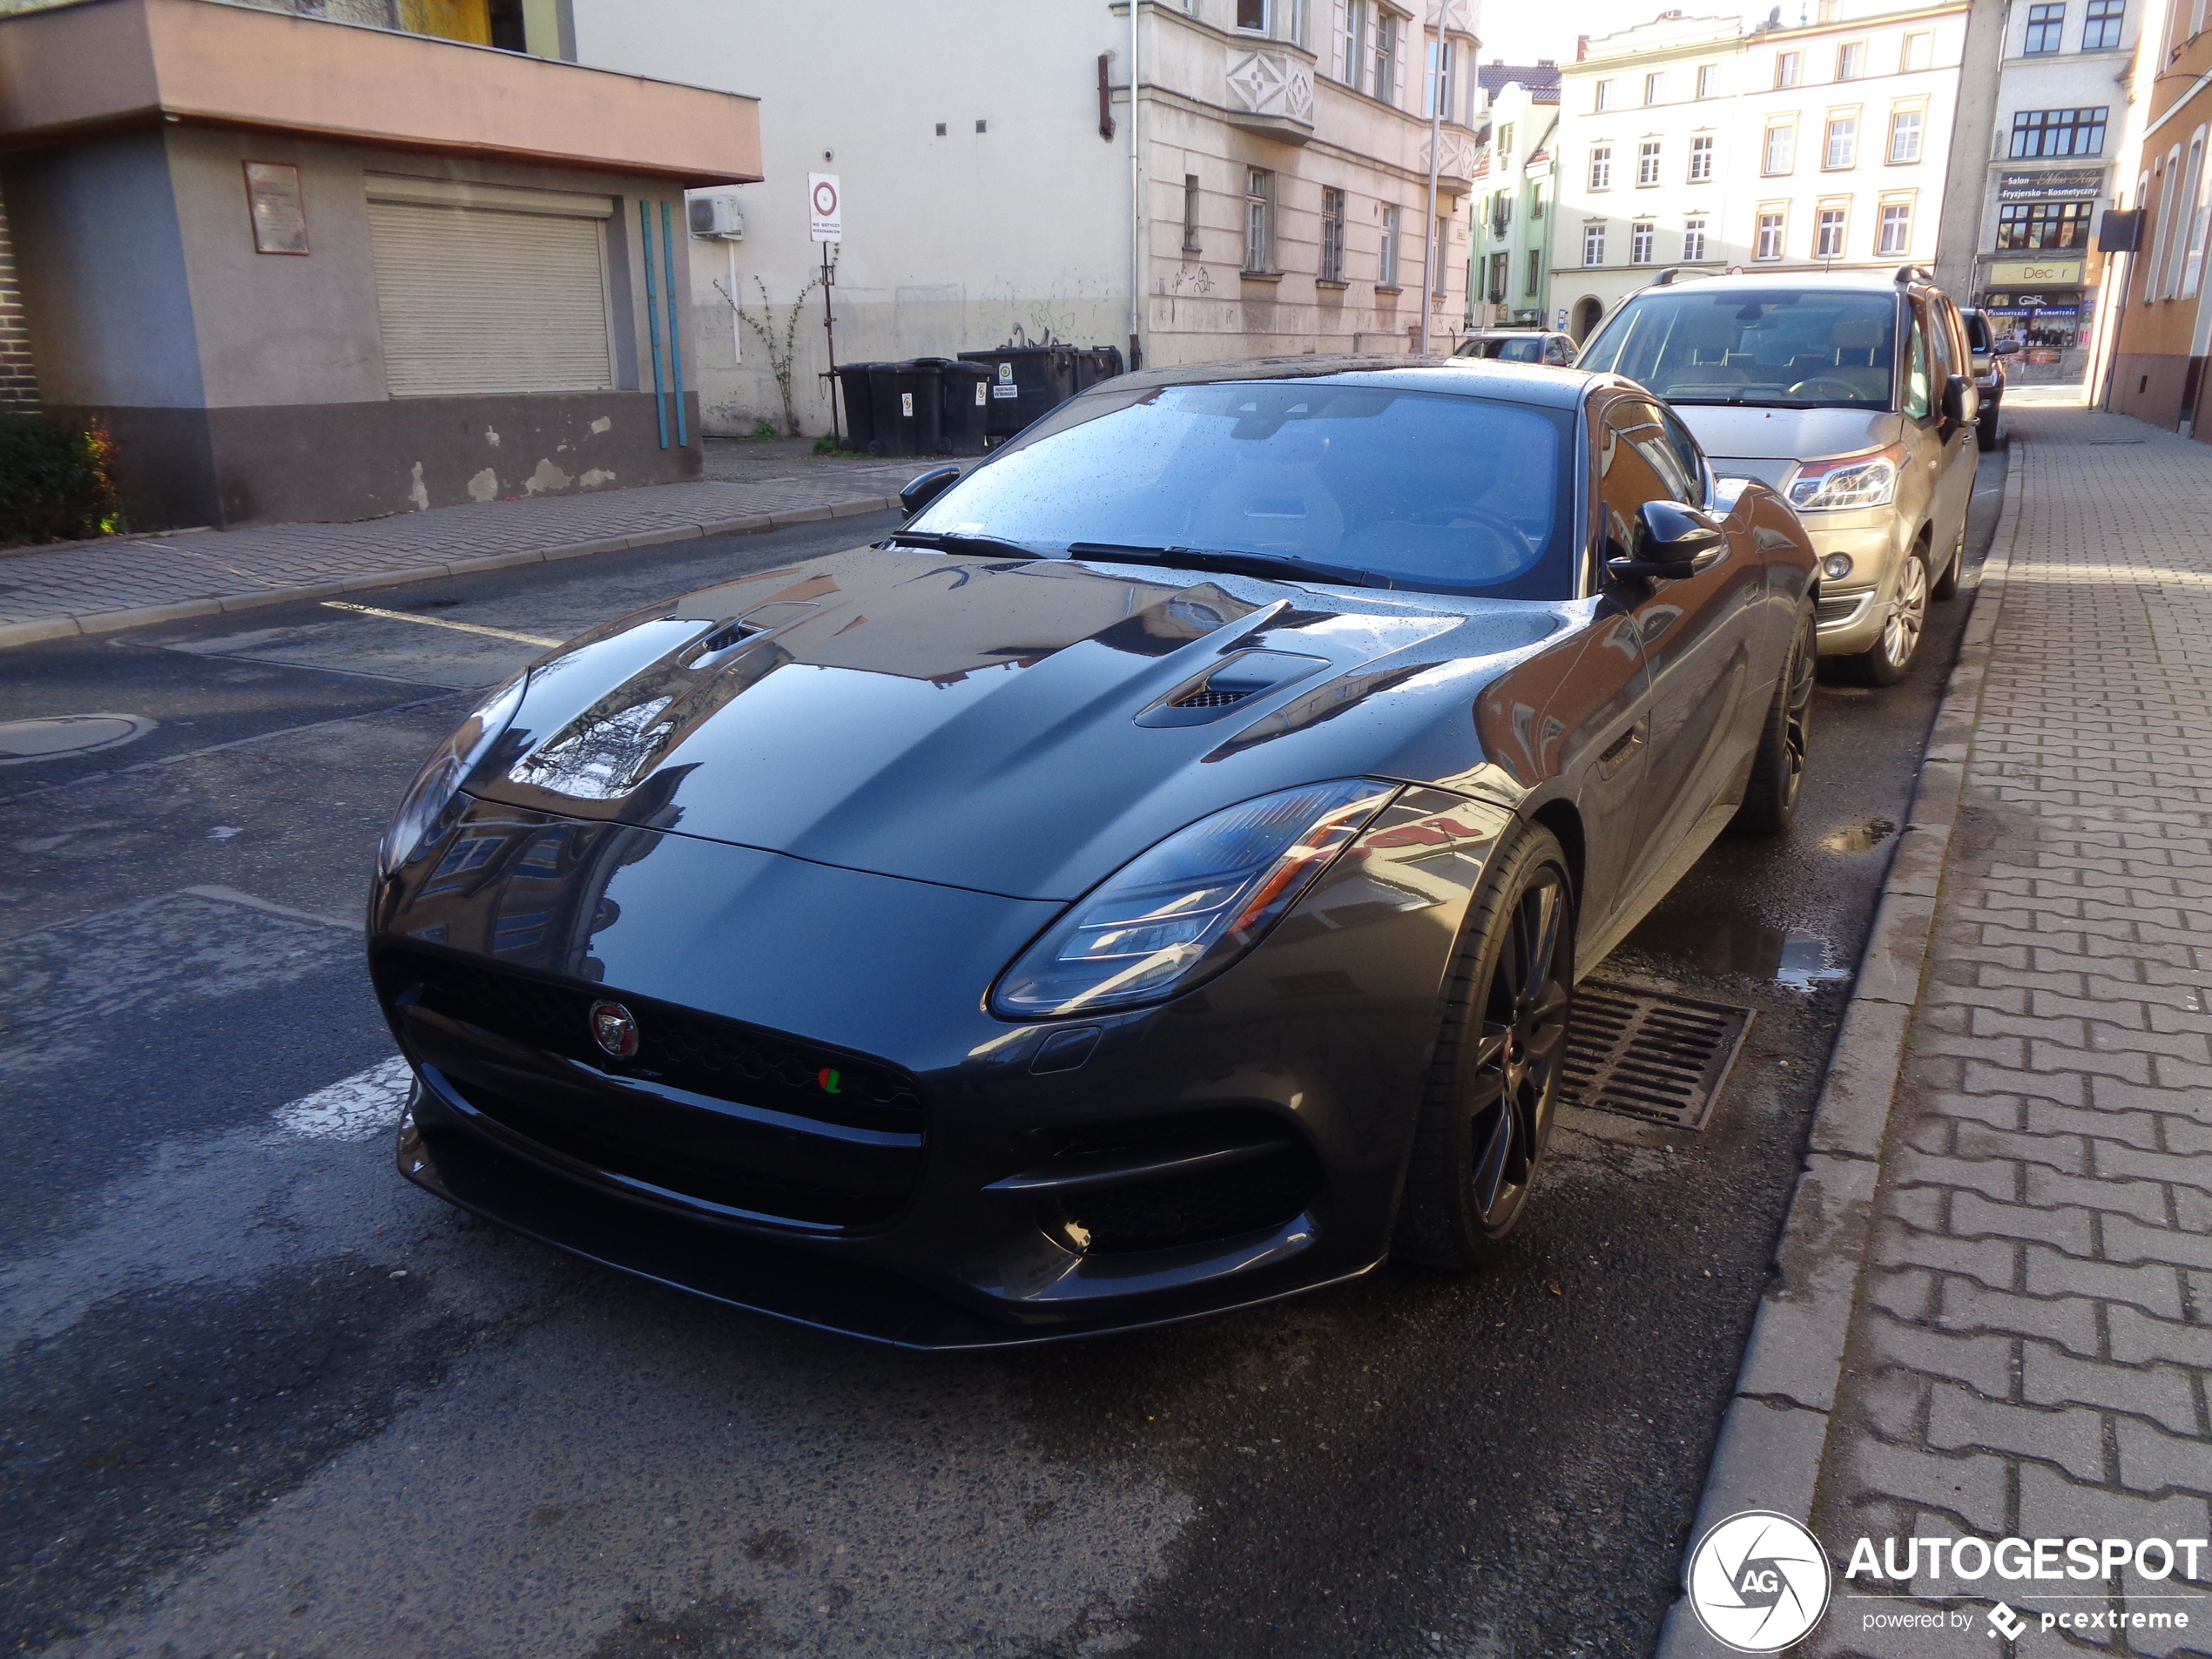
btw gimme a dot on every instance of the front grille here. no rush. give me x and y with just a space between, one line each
1260 1192
700 1052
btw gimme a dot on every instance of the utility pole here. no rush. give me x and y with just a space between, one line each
829 335
1435 166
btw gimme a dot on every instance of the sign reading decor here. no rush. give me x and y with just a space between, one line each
280 211
2080 184
2050 274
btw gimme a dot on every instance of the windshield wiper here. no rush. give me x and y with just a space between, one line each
1772 403
1229 560
955 542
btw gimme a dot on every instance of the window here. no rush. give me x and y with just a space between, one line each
1593 245
1636 465
1769 242
1501 264
1602 167
1850 60
1789 68
1682 343
1355 40
2101 33
1602 96
1331 235
2059 132
1701 159
2043 225
1500 213
1828 234
1447 77
1259 219
1843 142
1433 256
2045 24
1918 53
1647 162
1896 229
1505 143
1639 241
1905 135
1693 241
1916 369
1655 88
1536 203
1386 256
1709 77
1253 14
1781 148
1190 244
1385 81
1535 277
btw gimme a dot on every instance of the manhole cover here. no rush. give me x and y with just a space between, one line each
55 735
1659 1058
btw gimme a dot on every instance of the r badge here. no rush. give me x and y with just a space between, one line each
614 1028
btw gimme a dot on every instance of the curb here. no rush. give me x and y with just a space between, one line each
1774 1433
108 621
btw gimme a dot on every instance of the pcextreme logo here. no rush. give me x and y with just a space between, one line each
1758 1581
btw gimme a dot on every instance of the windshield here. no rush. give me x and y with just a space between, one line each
1525 348
1410 489
1794 348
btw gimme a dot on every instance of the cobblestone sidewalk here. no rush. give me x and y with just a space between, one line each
2031 1349
93 587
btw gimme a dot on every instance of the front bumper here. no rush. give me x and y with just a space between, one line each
978 1182
1851 610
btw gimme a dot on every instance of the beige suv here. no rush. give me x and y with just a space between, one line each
1851 392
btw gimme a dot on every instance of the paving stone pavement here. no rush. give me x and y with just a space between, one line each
2032 1341
87 587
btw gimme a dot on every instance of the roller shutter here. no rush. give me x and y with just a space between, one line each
476 300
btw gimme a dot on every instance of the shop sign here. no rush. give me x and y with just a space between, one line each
2087 182
2027 274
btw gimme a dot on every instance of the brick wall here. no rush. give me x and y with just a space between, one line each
18 383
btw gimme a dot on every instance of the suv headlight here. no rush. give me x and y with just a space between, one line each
440 780
1847 481
1183 912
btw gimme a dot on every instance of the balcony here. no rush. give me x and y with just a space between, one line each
1462 155
1271 92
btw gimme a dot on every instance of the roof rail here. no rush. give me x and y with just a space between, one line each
1914 274
1674 273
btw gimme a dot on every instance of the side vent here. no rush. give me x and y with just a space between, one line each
1243 677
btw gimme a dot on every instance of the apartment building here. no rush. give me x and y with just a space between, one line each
1693 142
1267 191
1509 270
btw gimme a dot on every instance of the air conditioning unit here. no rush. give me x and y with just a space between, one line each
719 216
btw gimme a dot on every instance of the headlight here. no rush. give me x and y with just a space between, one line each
1191 906
1836 566
439 781
1847 481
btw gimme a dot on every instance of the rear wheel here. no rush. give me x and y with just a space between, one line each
1778 773
1487 1108
1886 661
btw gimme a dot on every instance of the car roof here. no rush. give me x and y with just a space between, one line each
1487 377
1506 334
1738 282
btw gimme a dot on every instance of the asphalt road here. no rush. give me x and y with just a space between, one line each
265 1398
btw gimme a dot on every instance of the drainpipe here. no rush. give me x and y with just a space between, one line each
1135 194
1435 165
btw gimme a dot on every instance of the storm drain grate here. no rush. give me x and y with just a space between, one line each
1659 1058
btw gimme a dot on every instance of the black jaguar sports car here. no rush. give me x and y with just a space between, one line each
1151 882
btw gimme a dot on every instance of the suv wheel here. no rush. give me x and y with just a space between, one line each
1886 661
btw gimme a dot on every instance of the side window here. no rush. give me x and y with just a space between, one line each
1943 345
1692 457
1916 369
1560 355
1645 426
1635 465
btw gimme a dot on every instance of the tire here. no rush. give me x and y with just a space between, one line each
1890 657
1778 771
1986 436
1486 1107
1947 585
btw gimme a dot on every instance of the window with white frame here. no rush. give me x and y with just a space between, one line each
1602 167
1640 237
1781 148
1896 236
1919 51
1709 80
1331 235
1842 148
1259 219
1906 128
1355 41
1655 88
1593 244
1384 85
1602 96
1789 68
1443 71
1828 234
1386 256
1768 245
1251 15
1850 60
1505 144
1701 159
1693 241
1647 162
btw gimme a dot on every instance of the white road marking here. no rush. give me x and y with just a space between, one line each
440 622
231 895
359 1108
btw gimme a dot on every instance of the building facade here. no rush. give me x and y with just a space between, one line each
2165 326
1510 274
1690 142
1264 192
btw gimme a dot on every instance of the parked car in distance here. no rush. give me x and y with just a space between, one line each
1152 882
1519 346
1852 394
1988 350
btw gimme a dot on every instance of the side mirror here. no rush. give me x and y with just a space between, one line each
1672 541
2005 347
1958 395
925 489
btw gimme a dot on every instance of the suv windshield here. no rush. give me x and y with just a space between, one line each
1401 489
1518 348
1789 347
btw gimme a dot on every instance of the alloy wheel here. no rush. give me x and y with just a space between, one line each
1796 717
1514 1075
1908 614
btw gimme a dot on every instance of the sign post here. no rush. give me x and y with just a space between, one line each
825 223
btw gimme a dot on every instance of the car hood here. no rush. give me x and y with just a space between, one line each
1765 443
1014 726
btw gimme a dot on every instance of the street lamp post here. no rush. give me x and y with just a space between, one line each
1435 166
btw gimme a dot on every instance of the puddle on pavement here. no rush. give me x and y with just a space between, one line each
1860 838
1786 955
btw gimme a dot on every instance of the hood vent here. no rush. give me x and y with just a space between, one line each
1236 679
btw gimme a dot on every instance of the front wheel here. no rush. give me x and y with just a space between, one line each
1778 771
1486 1107
1886 661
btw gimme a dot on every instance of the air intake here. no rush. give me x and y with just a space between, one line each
1235 679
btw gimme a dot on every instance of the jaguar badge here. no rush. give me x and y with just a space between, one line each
614 1028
